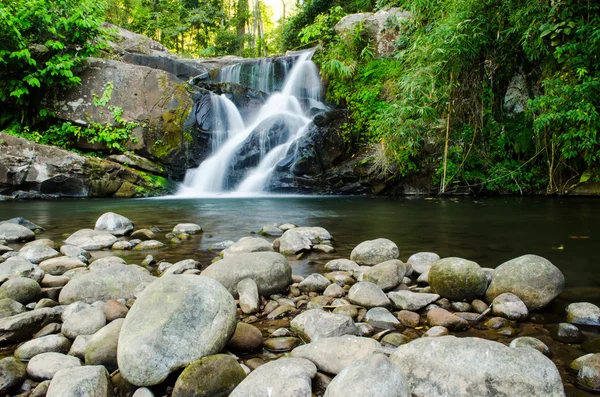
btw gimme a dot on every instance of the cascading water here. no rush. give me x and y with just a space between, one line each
283 113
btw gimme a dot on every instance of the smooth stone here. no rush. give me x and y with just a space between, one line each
588 372
567 333
247 245
122 246
38 253
24 222
395 339
325 249
340 265
532 278
182 266
212 376
12 374
114 224
386 275
189 228
197 315
248 296
114 309
45 344
246 338
84 322
299 239
583 313
270 230
413 301
143 235
143 392
281 312
107 261
73 308
409 319
45 365
60 265
314 283
79 345
460 306
21 289
41 389
347 310
479 306
509 306
530 342
317 324
74 251
282 343
457 279
358 378
368 295
101 348
270 270
380 317
50 281
439 316
16 267
10 307
50 329
88 381
372 252
436 331
149 245
334 291
13 233
91 240
222 245
447 366
421 262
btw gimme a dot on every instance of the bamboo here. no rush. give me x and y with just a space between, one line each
443 186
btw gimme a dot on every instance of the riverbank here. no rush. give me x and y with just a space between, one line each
321 284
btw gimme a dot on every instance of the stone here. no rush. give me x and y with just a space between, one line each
143 235
457 279
212 376
88 381
270 230
409 319
387 275
314 283
436 331
37 253
10 307
84 322
281 344
372 252
143 392
249 298
347 310
114 224
380 317
24 222
114 309
359 375
447 366
73 308
45 365
332 355
222 245
326 249
91 240
41 389
21 289
394 339
50 281
182 266
588 372
144 359
316 324
439 316
341 264
583 313
479 306
368 295
106 261
530 342
532 278
45 344
121 246
247 245
16 267
12 374
14 233
79 345
189 228
246 338
101 348
148 260
284 377
74 251
334 291
113 282
149 245
282 311
422 261
271 271
60 265
567 333
509 306
292 243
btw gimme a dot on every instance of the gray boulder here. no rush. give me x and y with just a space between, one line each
91 240
509 306
372 252
101 348
583 313
16 267
314 283
422 261
332 355
22 326
45 344
60 265
368 295
359 378
247 245
74 251
182 266
114 224
198 319
532 343
412 301
447 366
387 275
212 376
12 374
341 265
14 233
380 317
44 366
85 322
532 278
271 271
317 324
284 377
37 253
292 243
149 245
88 381
23 290
24 222
189 228
457 279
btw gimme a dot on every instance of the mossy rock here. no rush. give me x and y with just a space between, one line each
212 376
457 279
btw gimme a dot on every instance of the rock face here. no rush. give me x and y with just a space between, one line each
447 366
29 166
457 279
176 320
271 271
89 381
532 278
372 252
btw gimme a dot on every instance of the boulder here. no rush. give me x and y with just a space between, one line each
114 224
45 365
12 232
387 275
532 278
101 348
271 271
143 235
85 322
74 251
149 245
114 282
509 306
23 290
106 261
341 264
247 245
12 374
314 283
368 295
588 372
24 222
246 338
198 318
212 376
37 253
447 366
90 240
60 265
530 342
422 261
280 378
16 267
332 355
316 324
372 252
583 313
358 377
182 266
408 300
21 327
380 317
457 279
189 228
88 381
114 309
292 243
45 344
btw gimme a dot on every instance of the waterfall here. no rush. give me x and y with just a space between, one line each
274 129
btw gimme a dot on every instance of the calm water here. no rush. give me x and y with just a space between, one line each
488 231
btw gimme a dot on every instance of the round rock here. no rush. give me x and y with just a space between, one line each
21 289
13 233
84 322
114 224
44 366
457 279
509 306
583 313
90 240
372 252
368 295
212 376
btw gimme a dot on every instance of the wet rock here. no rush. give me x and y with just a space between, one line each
408 300
372 252
280 378
317 324
333 354
114 309
457 279
106 261
149 245
439 316
14 233
12 374
189 228
567 333
222 245
588 372
45 365
45 344
314 283
347 310
212 376
510 306
10 307
37 253
271 271
143 235
89 381
583 313
103 284
292 243
143 392
341 265
281 312
121 246
60 265
326 249
144 359
380 317
359 376
453 367
422 261
114 224
530 342
368 295
386 275
246 338
532 278
101 348
91 240
84 322
282 344
16 267
23 290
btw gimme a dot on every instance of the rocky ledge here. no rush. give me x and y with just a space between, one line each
74 321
